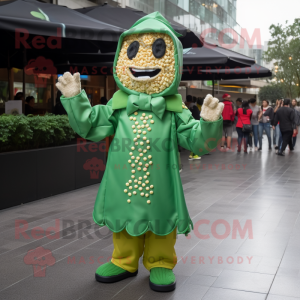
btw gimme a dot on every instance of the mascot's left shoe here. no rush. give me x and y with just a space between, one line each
162 280
109 273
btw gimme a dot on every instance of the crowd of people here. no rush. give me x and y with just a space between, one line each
251 121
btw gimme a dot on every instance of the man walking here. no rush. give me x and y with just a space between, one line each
228 119
196 115
285 117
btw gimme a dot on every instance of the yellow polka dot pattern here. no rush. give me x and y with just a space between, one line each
145 58
142 161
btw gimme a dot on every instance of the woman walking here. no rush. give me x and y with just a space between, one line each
244 118
277 137
254 122
265 117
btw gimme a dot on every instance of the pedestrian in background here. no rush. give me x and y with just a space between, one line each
103 100
196 115
297 109
29 105
254 122
19 96
277 137
200 103
244 118
285 117
58 108
238 103
265 117
228 120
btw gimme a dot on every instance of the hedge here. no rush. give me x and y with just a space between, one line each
31 132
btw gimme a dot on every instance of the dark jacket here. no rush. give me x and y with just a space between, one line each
285 117
59 109
269 113
28 109
195 111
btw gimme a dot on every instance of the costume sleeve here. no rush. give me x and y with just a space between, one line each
200 137
92 123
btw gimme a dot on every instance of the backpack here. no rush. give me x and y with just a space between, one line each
297 117
228 114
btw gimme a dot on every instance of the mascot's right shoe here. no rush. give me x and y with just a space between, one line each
109 273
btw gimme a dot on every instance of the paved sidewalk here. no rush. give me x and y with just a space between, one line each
258 191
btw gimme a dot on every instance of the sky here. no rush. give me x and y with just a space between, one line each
261 14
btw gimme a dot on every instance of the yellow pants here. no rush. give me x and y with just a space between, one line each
158 250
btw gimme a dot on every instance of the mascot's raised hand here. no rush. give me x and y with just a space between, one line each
212 109
69 85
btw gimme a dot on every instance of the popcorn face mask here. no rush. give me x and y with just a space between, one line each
146 62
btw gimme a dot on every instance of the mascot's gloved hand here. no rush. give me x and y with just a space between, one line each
211 109
69 85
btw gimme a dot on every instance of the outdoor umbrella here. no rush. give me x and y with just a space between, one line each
122 17
195 67
29 25
208 73
45 19
126 17
194 60
255 71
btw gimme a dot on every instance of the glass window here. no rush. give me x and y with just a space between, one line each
192 22
186 20
208 16
197 25
202 12
230 9
184 4
225 5
173 1
171 12
179 15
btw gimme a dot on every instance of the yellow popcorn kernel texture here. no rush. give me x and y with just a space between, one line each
145 58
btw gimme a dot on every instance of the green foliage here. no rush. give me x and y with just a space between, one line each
31 132
271 92
284 50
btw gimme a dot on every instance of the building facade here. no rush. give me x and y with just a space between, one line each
214 20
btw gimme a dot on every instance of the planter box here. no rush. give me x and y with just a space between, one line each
35 174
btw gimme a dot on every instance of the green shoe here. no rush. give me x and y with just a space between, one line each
109 273
196 157
162 280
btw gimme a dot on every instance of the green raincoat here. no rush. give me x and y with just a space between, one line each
148 196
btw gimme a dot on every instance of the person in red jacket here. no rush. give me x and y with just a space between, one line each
228 119
244 117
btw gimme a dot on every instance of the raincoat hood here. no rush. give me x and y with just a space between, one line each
154 22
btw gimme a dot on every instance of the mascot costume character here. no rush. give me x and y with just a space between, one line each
142 202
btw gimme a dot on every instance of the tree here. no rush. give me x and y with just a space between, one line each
284 50
271 92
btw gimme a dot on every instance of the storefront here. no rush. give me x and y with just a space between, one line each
42 88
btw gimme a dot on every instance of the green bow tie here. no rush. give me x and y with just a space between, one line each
146 102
